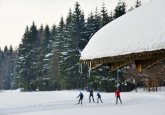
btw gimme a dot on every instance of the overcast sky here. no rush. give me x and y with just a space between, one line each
15 15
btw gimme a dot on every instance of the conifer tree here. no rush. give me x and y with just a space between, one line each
111 16
21 71
120 9
76 41
97 21
11 50
7 63
54 64
93 24
59 41
90 25
138 3
39 58
26 64
104 15
69 17
32 59
47 41
6 51
59 53
5 69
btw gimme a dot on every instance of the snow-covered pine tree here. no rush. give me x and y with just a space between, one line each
27 60
47 55
7 63
55 74
91 26
59 54
64 33
59 42
22 62
46 49
75 42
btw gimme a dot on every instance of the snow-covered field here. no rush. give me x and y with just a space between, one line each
64 103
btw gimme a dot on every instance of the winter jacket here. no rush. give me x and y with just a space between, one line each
80 95
91 92
98 94
117 93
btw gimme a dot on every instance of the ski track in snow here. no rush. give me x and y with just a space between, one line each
69 104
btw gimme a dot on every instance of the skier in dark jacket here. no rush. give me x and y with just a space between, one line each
117 94
99 97
80 98
91 95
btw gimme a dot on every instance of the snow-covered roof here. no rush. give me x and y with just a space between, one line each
140 30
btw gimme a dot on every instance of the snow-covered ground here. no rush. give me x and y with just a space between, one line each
64 103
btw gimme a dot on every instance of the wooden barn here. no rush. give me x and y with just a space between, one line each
138 37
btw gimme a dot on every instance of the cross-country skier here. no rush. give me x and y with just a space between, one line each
91 95
99 98
80 98
117 94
